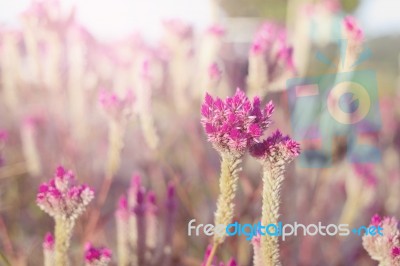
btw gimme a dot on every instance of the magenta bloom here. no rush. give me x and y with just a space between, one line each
97 256
276 148
3 135
48 242
59 198
233 124
114 105
352 29
271 42
384 248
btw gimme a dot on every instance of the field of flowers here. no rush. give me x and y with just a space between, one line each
108 149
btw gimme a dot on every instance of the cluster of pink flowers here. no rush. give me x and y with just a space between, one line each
138 219
384 248
114 105
97 256
271 42
59 198
352 29
276 148
234 124
231 261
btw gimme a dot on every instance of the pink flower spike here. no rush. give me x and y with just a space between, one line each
60 198
3 135
276 148
114 105
48 242
97 256
214 72
234 124
216 30
352 29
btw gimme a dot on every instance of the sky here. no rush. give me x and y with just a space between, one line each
115 18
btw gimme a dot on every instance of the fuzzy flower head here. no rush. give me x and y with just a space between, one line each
384 248
214 72
276 148
270 42
115 106
233 124
352 31
48 242
60 198
97 256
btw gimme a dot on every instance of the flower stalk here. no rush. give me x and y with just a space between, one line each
273 153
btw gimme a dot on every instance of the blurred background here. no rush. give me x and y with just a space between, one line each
112 89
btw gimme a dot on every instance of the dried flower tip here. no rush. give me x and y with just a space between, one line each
114 105
97 256
352 30
214 72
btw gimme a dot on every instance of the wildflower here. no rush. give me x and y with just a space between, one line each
384 248
270 60
273 153
97 256
48 249
65 202
355 37
115 106
232 126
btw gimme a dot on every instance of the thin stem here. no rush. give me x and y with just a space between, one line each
63 232
212 254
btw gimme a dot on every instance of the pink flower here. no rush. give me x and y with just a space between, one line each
384 248
235 123
216 30
270 42
59 198
48 242
276 148
97 256
122 208
352 30
114 105
214 72
366 173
